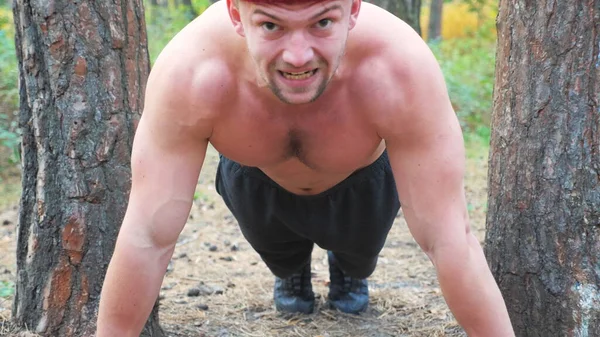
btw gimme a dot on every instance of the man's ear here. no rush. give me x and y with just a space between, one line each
354 10
234 15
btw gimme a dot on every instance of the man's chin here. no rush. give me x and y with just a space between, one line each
297 99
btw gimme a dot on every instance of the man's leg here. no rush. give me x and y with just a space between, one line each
348 292
353 260
289 261
355 265
287 255
354 223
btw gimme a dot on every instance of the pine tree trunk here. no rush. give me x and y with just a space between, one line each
543 223
407 10
434 31
83 68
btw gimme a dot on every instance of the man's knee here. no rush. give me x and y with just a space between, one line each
355 266
285 262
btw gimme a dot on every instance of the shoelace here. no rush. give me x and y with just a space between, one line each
338 278
298 282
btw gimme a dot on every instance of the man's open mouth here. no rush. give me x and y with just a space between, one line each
298 76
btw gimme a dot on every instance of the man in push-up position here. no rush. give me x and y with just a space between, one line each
325 120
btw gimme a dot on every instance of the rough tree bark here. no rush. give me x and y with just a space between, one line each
83 67
434 31
407 10
543 223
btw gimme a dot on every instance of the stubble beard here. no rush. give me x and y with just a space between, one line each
279 94
320 89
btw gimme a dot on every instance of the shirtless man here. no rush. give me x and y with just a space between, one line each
322 117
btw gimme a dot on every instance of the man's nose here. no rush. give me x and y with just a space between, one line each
298 51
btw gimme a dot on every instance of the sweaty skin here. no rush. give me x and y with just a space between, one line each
364 82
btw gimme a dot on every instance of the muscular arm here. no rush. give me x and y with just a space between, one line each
426 151
168 152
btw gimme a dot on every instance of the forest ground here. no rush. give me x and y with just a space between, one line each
234 288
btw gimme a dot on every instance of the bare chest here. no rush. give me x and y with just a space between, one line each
332 141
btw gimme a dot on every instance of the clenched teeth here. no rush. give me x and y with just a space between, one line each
299 76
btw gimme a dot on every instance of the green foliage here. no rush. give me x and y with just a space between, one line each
10 139
8 59
9 93
9 76
476 5
468 65
7 289
164 22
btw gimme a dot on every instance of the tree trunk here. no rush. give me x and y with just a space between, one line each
434 32
407 10
543 223
83 67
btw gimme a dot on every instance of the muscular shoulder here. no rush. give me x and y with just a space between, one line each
397 71
193 75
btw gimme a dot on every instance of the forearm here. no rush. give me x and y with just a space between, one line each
130 288
471 291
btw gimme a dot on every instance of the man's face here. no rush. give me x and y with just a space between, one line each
296 48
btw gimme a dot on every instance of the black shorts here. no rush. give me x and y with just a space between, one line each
352 219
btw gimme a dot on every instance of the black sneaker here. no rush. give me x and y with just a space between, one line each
295 294
346 294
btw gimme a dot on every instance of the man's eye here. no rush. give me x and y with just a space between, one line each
269 26
325 23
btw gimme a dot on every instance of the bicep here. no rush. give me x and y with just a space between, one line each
429 173
426 150
165 167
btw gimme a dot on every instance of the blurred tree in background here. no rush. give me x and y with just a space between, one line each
434 31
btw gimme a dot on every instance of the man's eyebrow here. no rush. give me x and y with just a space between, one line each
325 10
260 11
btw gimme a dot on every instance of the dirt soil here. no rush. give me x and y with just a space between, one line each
216 285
